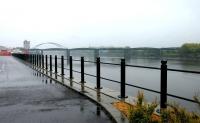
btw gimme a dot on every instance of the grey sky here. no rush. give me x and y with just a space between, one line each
83 23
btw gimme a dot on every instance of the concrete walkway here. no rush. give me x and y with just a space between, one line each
27 97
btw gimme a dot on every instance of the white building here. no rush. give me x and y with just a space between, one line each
26 44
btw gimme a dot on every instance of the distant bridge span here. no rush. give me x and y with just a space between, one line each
55 44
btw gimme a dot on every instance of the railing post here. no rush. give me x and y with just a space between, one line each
37 61
29 58
33 62
71 67
123 79
43 63
50 62
30 55
163 83
40 61
62 66
46 64
98 73
56 66
82 70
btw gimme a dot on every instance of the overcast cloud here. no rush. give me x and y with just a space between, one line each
84 23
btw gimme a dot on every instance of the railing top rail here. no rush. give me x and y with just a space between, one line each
156 68
184 71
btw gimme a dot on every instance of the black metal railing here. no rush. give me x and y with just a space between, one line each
36 61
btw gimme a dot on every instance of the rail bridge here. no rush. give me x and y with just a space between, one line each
126 53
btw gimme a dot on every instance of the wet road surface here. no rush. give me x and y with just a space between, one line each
26 97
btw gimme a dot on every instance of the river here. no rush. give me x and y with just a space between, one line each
180 84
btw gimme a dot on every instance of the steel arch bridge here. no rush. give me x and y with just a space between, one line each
55 44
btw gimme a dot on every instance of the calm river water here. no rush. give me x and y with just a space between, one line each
180 84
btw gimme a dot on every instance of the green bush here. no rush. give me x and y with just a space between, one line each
142 112
176 114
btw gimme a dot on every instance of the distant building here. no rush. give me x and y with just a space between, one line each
4 51
26 44
18 50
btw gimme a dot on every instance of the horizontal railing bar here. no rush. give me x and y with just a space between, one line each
171 95
156 68
66 68
176 70
110 80
59 75
138 66
75 60
76 71
90 75
90 61
143 88
183 98
109 63
184 71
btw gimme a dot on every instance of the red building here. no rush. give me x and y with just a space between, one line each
4 51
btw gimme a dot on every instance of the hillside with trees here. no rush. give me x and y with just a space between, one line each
191 50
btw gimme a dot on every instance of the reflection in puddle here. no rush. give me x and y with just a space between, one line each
56 76
98 110
81 105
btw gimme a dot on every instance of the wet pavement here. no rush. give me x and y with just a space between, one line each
26 96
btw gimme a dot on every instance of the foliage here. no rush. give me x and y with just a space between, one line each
197 99
176 114
142 112
190 49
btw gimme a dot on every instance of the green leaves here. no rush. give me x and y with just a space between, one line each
142 112
190 49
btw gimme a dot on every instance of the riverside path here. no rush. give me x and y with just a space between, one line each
26 96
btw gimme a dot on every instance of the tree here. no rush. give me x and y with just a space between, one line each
190 49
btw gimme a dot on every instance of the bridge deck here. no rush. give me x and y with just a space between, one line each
26 97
